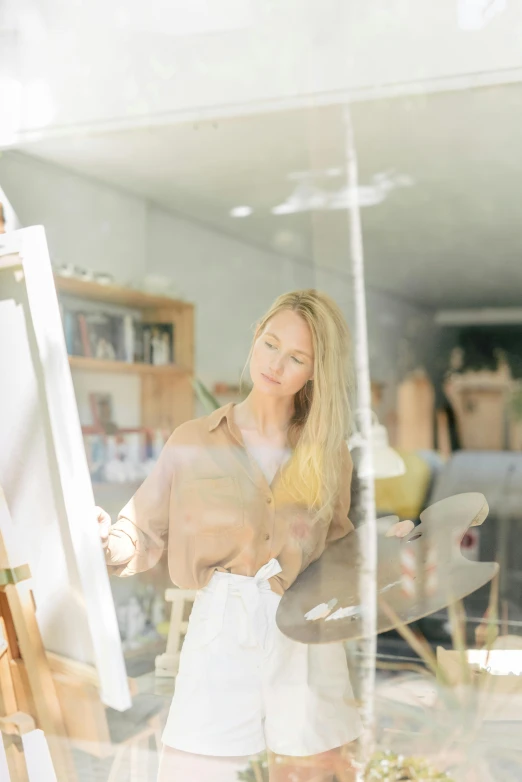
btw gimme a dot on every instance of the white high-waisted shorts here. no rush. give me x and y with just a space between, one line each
243 686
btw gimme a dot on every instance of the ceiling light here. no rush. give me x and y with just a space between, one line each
241 211
307 196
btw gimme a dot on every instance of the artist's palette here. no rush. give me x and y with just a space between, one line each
323 604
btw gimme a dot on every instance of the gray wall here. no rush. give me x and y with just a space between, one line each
230 281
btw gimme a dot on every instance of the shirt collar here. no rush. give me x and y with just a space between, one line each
215 418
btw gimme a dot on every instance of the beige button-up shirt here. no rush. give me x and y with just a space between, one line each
211 503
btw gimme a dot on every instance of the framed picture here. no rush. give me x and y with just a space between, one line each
101 411
44 472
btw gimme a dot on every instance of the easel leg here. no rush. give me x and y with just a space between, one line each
15 760
5 772
47 707
8 705
24 642
35 750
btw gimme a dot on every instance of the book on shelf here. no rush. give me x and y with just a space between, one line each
96 335
84 335
117 338
70 330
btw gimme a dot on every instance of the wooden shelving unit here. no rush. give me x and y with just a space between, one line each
101 365
167 397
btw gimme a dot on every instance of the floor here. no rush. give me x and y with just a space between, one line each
152 701
408 720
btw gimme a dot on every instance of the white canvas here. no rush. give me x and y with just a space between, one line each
44 472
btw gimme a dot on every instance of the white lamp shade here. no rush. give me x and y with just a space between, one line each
385 461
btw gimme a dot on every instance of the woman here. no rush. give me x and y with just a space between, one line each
250 496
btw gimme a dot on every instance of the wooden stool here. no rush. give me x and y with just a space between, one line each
167 664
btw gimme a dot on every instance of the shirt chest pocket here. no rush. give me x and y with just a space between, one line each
211 505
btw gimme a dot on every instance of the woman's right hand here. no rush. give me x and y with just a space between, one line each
104 525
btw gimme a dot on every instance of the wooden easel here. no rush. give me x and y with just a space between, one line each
26 682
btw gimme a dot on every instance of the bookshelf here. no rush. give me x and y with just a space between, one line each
103 365
166 400
167 397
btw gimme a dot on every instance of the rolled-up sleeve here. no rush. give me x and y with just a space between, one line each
137 540
341 524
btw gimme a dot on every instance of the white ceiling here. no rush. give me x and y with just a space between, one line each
452 238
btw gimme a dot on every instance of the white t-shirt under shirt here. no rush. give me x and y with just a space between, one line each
268 458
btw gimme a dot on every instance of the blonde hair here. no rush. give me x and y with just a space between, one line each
322 417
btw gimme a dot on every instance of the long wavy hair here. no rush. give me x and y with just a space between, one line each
322 415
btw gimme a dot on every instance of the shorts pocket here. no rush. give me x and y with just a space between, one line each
206 618
328 668
197 630
212 506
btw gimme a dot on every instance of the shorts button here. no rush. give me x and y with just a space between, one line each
267 537
268 500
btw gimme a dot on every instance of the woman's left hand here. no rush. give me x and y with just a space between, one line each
400 529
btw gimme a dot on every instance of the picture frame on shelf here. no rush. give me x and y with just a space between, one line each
101 404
